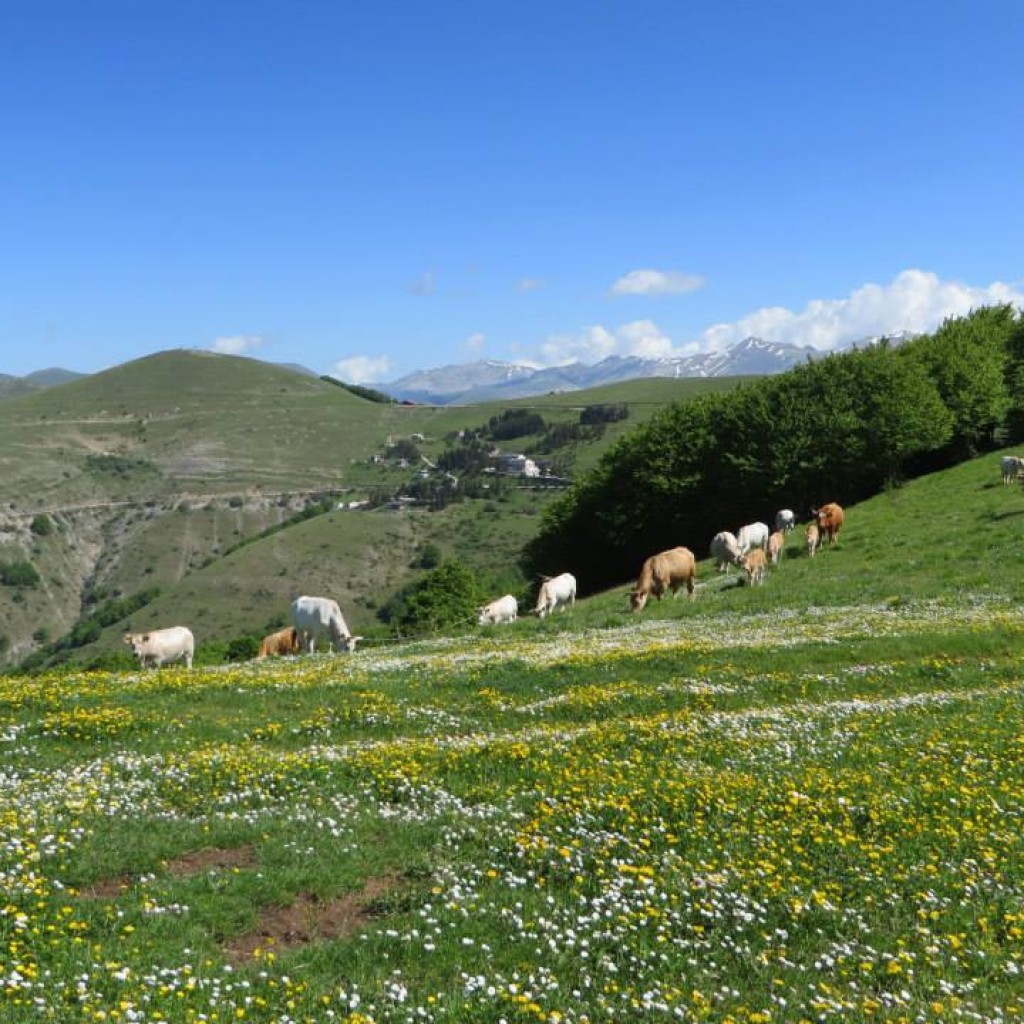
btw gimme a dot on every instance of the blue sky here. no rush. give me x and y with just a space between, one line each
372 189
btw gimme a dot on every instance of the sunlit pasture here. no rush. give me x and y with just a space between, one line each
771 816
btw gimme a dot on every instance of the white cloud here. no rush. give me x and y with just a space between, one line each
237 344
915 300
657 282
529 284
476 341
643 338
639 338
362 369
590 346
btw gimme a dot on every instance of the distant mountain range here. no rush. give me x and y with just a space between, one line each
490 380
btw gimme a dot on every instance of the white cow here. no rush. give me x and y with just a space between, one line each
725 550
1011 466
753 535
504 609
314 617
785 520
161 646
555 591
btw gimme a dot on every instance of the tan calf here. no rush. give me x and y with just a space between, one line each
813 538
754 564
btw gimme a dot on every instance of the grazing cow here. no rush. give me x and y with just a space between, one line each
555 591
725 550
667 570
754 566
813 539
785 520
161 646
1011 466
314 617
504 609
753 535
284 641
776 542
830 521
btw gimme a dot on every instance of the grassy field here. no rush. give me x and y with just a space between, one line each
800 802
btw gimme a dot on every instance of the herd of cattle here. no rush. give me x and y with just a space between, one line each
752 549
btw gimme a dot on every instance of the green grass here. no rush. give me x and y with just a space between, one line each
739 816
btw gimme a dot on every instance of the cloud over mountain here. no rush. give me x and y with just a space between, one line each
362 369
914 302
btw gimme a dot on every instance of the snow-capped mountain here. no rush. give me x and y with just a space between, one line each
487 380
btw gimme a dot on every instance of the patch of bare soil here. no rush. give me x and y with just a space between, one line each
213 860
310 919
194 863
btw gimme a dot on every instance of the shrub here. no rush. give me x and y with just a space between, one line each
445 598
428 558
18 574
242 648
42 525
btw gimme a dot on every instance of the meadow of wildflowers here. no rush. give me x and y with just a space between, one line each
799 815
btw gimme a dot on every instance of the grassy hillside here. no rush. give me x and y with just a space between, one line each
800 802
958 534
152 471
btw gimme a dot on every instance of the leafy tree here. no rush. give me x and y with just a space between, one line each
443 599
604 413
512 423
901 413
968 359
404 448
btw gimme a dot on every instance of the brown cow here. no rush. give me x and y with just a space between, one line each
284 641
668 570
830 521
776 542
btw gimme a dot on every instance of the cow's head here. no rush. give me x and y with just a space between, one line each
637 600
136 640
348 643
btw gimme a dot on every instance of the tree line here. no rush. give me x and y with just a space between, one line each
838 428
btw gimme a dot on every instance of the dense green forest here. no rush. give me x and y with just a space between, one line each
840 428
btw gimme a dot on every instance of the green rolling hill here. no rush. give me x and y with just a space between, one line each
150 474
